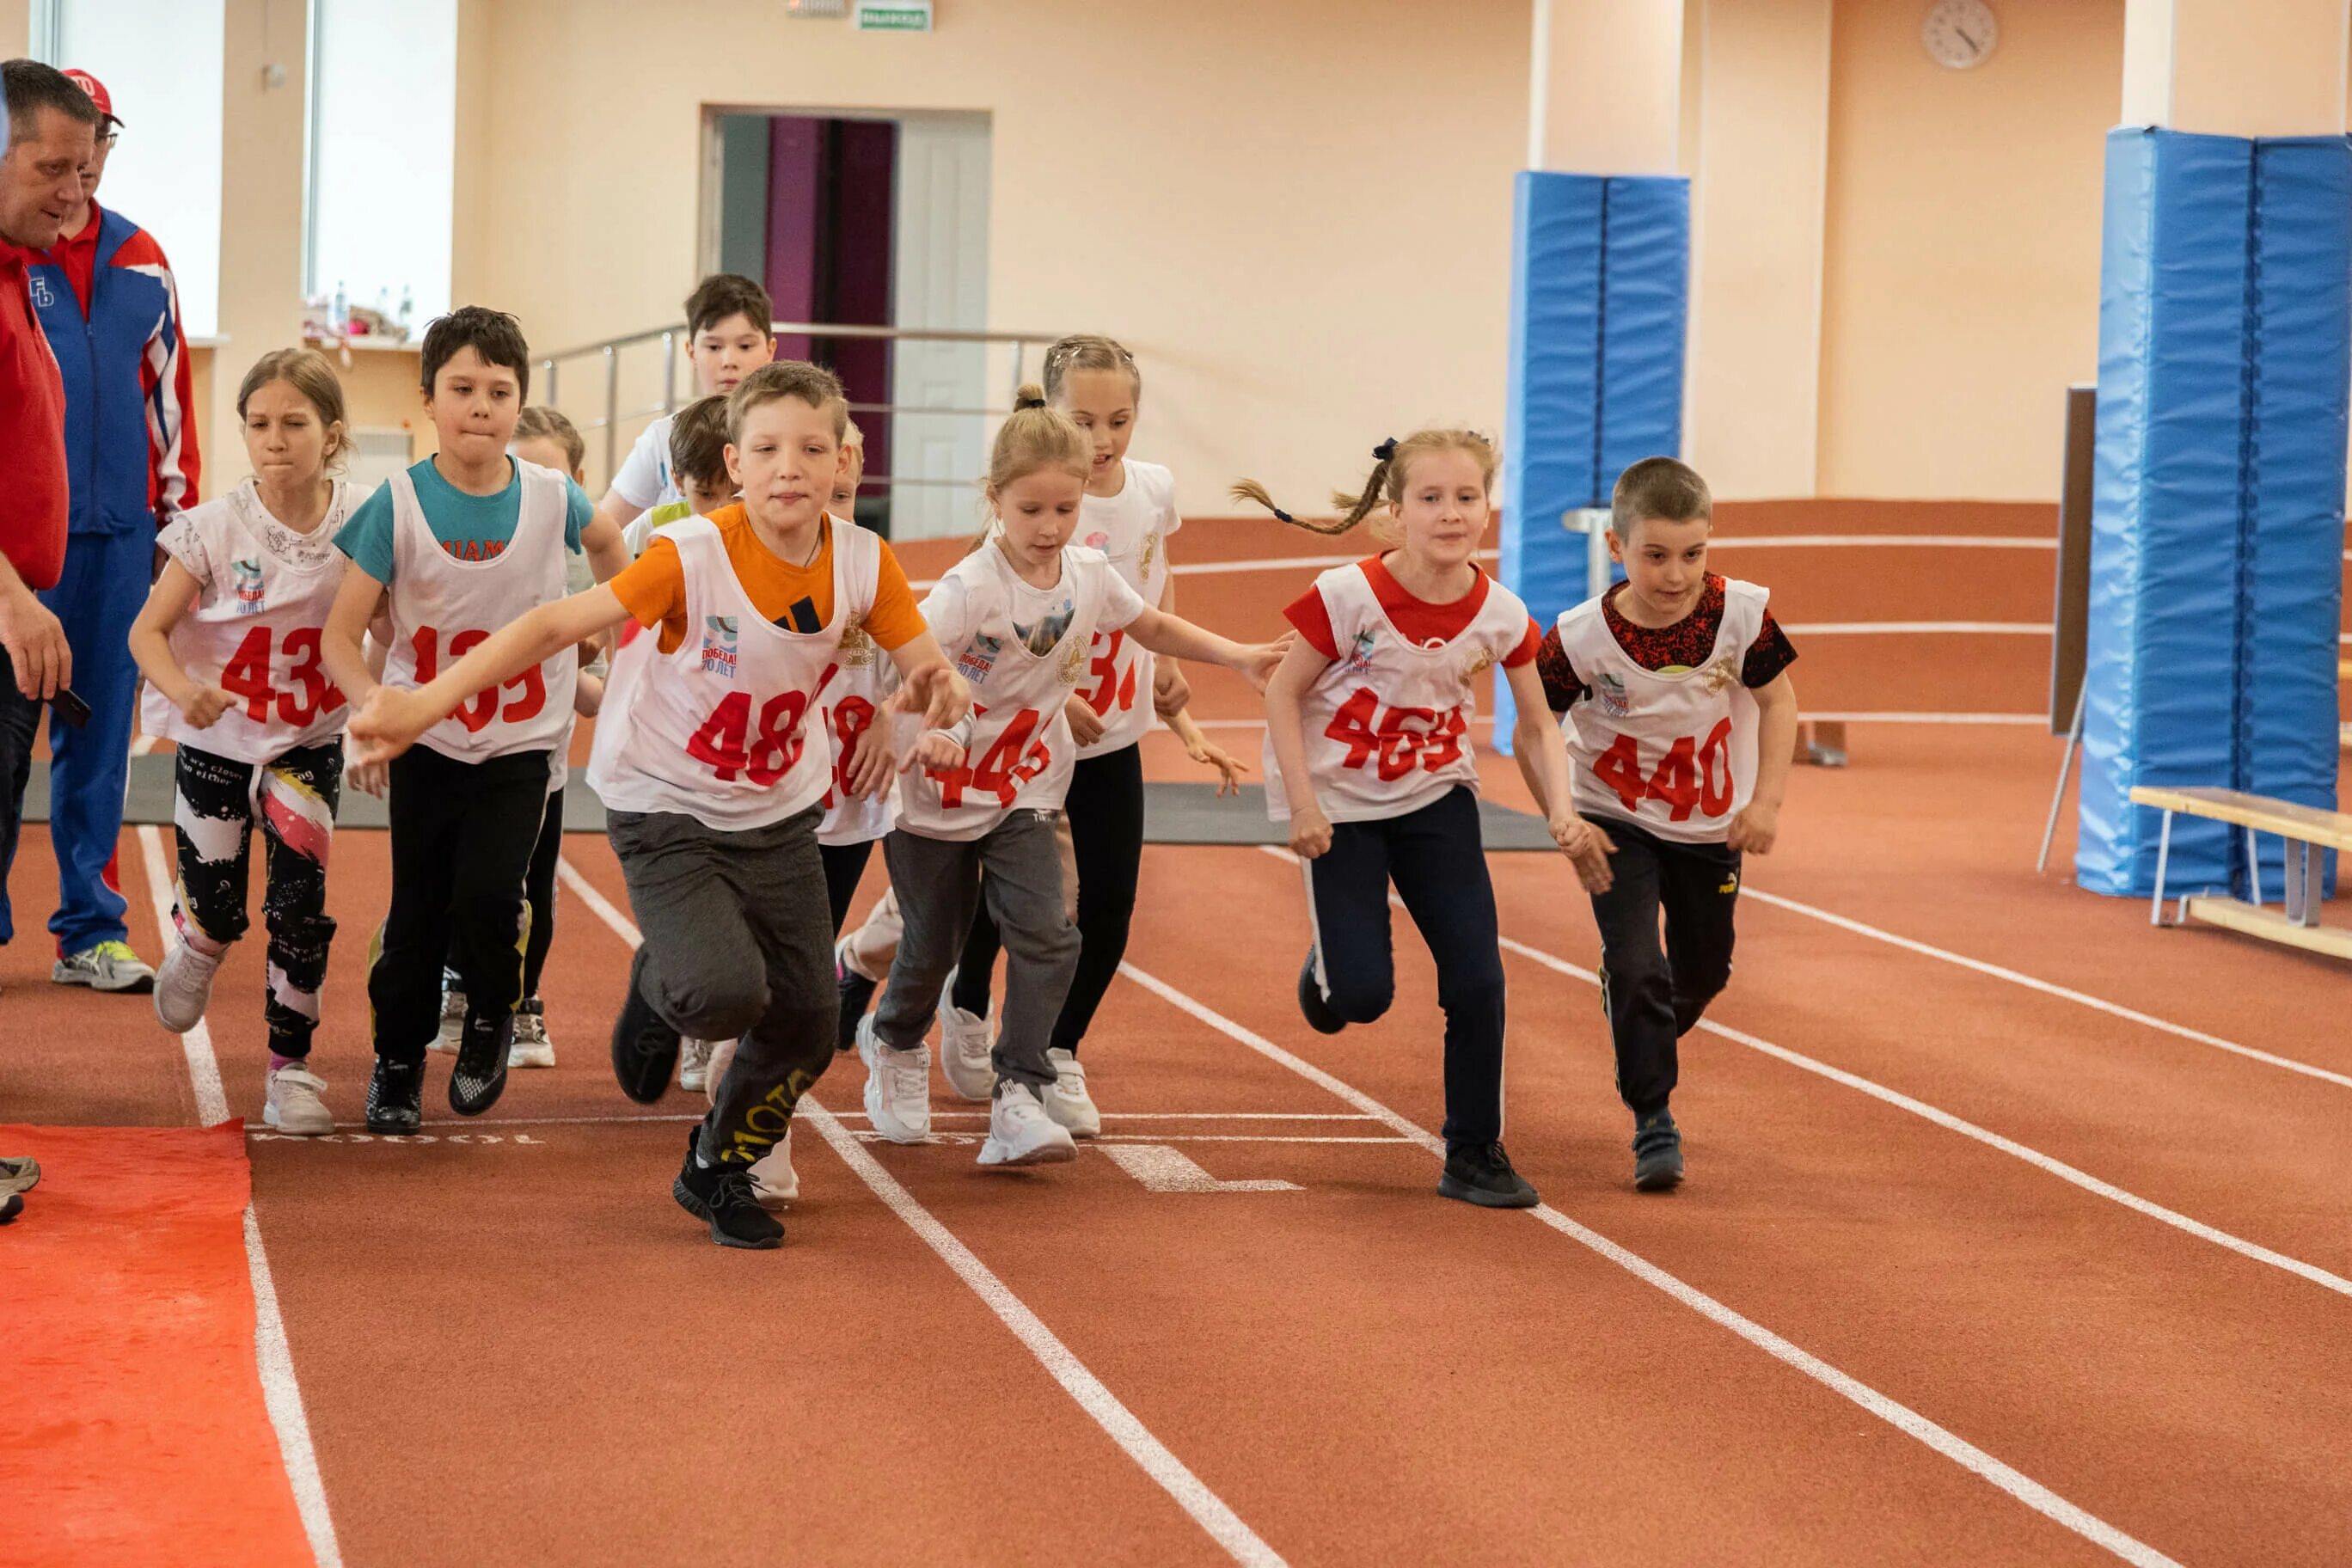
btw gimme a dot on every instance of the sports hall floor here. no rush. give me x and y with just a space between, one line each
2015 1232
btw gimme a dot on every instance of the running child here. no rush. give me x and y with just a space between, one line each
545 437
1370 757
1019 615
229 643
1129 514
713 788
459 545
729 325
1682 721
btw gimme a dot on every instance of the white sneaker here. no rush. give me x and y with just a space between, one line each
774 1182
693 1064
723 1057
453 1017
294 1106
897 1086
531 1048
184 987
1021 1134
1067 1101
964 1047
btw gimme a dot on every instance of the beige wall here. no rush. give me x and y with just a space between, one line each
1961 275
1298 215
1762 129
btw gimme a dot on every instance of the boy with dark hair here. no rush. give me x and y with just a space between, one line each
729 324
455 547
1682 725
698 471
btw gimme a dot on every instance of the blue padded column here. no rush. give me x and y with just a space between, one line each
2160 685
2292 531
1600 296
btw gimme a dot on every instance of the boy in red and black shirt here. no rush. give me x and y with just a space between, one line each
1681 721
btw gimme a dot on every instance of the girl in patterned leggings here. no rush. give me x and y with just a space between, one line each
229 643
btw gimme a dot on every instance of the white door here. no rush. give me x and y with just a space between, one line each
941 281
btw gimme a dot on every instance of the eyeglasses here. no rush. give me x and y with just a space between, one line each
110 139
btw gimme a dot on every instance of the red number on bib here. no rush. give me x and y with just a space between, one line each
1108 688
1405 738
247 674
1003 769
483 706
314 694
778 744
850 717
1684 778
719 743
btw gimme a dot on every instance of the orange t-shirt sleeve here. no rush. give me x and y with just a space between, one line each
895 620
652 588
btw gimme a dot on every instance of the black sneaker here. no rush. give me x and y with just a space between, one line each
396 1098
644 1049
480 1075
1319 1016
1481 1174
856 996
723 1196
1657 1152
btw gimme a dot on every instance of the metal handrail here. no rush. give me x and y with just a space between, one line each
615 416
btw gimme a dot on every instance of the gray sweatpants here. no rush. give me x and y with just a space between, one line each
939 886
737 943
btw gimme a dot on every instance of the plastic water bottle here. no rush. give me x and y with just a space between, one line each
407 304
339 314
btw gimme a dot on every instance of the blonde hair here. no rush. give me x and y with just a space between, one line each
308 373
1390 459
1087 351
1032 439
539 422
851 438
779 379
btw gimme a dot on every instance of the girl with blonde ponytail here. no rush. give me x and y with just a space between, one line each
1371 758
1019 617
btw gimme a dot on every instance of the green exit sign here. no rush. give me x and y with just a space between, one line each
894 15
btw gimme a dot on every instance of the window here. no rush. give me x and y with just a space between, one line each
161 62
383 153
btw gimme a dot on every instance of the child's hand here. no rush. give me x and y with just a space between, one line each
1754 830
1587 848
869 762
385 725
368 778
1170 692
1311 832
1086 724
1202 749
939 694
934 753
587 695
1259 661
205 704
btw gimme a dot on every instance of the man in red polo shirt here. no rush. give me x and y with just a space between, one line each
51 131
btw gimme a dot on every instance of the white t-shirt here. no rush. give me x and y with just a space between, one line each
644 480
1132 529
1023 650
852 702
265 591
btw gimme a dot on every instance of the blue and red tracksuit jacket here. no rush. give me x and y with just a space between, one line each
130 446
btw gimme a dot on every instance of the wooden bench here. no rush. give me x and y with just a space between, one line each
2308 833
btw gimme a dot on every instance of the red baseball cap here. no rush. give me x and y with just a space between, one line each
98 93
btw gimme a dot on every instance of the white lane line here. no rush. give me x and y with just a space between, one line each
1952 1124
1917 628
1192 1494
2022 1487
2048 988
1828 716
281 1394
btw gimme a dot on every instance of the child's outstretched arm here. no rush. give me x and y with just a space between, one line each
1202 749
1542 753
1302 661
1170 692
1180 638
339 649
607 548
1756 827
173 592
389 722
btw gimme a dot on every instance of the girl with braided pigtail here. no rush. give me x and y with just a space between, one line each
1371 761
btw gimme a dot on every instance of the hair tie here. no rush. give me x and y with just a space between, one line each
1386 451
1022 405
1281 516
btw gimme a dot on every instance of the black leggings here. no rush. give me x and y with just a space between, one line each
1434 858
539 891
845 865
1657 992
1105 807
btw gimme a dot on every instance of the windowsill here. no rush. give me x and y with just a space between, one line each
365 344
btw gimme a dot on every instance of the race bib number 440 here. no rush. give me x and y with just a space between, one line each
1692 776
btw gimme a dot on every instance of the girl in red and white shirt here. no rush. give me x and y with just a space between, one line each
1371 759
